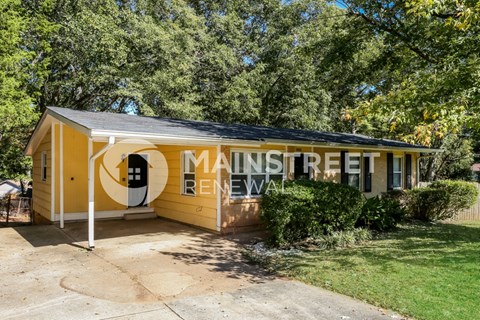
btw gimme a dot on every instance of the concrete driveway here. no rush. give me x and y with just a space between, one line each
149 269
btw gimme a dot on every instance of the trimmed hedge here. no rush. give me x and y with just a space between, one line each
441 200
314 209
309 209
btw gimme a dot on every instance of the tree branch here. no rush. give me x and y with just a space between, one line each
397 34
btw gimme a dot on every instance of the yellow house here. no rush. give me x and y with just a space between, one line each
96 165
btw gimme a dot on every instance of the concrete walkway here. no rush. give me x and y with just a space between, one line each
150 269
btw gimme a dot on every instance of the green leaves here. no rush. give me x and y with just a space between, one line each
17 62
441 200
309 209
389 69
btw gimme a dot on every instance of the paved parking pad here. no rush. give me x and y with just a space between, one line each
149 269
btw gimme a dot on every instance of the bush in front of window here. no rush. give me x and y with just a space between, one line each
382 212
309 209
441 200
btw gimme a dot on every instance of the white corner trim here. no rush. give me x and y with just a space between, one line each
219 193
52 172
61 182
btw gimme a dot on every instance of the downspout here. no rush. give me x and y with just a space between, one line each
91 187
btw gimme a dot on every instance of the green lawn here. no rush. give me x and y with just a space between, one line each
426 272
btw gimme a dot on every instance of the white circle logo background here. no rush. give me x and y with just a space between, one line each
110 175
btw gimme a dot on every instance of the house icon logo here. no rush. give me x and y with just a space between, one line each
133 172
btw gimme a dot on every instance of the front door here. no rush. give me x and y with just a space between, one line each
137 180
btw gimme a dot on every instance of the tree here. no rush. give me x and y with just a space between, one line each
454 162
261 62
432 88
404 69
460 14
17 62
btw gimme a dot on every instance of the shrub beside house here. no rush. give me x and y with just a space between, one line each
315 209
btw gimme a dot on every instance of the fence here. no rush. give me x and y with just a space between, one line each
15 210
473 213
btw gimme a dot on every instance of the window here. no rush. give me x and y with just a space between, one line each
397 172
252 170
301 170
188 173
350 169
353 165
43 173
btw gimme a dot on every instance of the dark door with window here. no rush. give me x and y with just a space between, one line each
137 180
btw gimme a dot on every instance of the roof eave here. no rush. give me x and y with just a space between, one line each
28 151
350 146
101 135
33 140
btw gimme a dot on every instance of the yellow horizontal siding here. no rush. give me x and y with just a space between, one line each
189 218
197 210
42 189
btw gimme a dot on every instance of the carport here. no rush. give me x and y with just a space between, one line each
149 269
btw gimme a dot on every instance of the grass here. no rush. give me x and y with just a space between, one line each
422 271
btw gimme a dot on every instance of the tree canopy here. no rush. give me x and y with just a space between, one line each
406 69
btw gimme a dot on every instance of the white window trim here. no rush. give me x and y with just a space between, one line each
397 172
358 171
183 173
43 166
249 172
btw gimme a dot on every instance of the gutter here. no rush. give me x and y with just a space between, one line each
172 139
348 146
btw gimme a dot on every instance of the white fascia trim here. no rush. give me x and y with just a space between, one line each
101 135
32 136
69 122
348 146
33 142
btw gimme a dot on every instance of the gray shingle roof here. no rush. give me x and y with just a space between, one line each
204 129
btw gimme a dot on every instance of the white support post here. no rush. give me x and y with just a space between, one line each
62 220
312 174
91 187
91 203
417 171
219 192
286 167
52 173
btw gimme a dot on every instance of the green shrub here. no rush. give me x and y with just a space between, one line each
397 195
381 213
306 209
441 200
